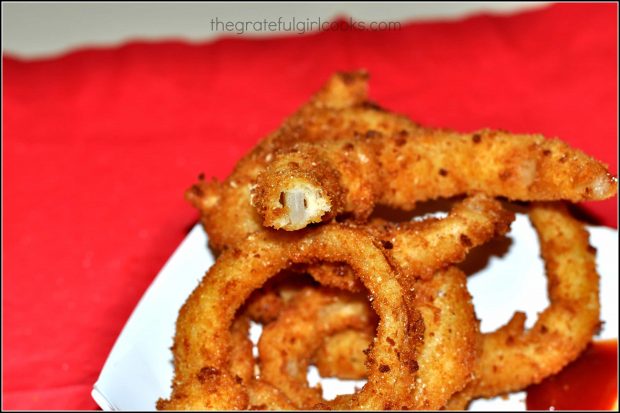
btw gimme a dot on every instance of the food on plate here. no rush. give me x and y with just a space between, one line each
363 297
512 358
419 248
432 244
202 354
311 182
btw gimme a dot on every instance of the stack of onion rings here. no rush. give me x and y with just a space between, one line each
386 304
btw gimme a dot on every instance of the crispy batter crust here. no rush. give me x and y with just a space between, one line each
512 358
419 248
342 354
339 110
273 206
451 337
427 164
346 154
264 396
340 155
266 303
444 363
241 357
202 354
287 345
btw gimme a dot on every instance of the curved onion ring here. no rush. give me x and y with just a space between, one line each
444 362
287 344
315 181
340 109
513 358
351 154
419 248
203 377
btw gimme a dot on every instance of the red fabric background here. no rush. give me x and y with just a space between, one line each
100 144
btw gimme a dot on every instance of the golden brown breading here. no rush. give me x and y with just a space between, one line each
342 355
444 362
265 304
401 169
339 156
264 396
421 248
287 345
339 110
336 275
298 204
430 245
241 357
451 337
203 379
512 358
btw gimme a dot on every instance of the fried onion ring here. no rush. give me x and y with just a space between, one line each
311 182
513 358
287 344
420 248
202 354
444 363
340 109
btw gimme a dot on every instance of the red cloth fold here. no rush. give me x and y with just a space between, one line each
100 144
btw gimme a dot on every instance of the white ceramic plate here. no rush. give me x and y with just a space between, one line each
139 369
